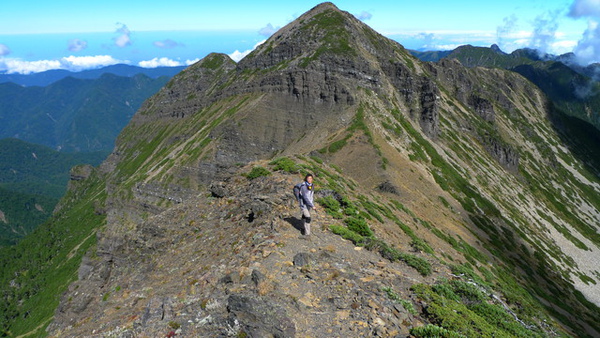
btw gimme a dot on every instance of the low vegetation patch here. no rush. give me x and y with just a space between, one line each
258 171
466 308
393 254
429 331
347 234
285 164
408 306
46 262
359 225
331 206
358 231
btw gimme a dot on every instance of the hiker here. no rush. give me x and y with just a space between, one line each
304 192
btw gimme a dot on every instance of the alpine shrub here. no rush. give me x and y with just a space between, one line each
429 330
359 225
347 234
332 206
285 164
257 171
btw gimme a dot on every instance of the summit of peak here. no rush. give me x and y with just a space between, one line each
323 6
323 31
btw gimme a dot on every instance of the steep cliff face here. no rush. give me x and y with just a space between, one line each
431 171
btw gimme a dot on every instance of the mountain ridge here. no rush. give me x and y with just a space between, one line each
450 177
573 88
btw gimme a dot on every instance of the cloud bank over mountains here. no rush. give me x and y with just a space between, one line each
546 36
588 48
79 63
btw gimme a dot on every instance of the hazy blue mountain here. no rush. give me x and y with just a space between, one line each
74 114
433 56
43 79
32 180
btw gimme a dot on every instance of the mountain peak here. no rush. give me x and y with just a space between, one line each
324 6
324 28
324 34
496 49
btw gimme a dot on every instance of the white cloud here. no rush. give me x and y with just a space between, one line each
544 31
26 67
159 62
585 8
167 44
427 39
268 30
364 16
4 50
71 63
445 46
504 32
76 45
588 48
237 55
565 45
124 39
191 62
77 63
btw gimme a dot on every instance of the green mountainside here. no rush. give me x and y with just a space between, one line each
451 204
74 114
32 180
20 213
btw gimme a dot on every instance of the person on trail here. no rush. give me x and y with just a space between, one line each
306 202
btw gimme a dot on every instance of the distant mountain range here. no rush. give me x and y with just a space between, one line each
32 180
43 79
78 113
74 114
505 60
573 88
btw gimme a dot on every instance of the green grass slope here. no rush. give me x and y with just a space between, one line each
36 271
21 213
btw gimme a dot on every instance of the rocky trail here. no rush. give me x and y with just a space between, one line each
261 279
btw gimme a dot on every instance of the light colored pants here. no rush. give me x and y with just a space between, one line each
306 220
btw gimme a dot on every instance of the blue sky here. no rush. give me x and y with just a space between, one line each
37 35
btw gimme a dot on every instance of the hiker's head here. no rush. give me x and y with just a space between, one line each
308 178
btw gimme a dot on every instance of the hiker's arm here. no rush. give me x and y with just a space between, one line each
304 194
307 202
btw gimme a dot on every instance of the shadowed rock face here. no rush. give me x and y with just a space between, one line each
482 107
